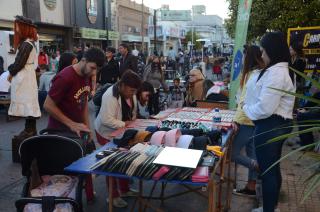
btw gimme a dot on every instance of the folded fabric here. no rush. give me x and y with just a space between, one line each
194 132
172 137
158 138
140 137
162 171
201 175
215 137
184 141
127 136
165 129
153 150
200 143
152 129
139 148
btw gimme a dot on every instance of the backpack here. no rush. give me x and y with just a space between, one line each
97 98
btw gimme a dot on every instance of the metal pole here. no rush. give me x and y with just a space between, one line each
192 40
155 30
142 27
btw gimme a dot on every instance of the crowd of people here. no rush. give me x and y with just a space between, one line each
129 87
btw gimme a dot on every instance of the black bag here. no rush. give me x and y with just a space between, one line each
97 98
88 146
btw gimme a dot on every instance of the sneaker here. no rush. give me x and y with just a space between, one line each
118 202
260 209
130 193
245 192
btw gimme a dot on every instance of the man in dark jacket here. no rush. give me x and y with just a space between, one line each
127 61
109 73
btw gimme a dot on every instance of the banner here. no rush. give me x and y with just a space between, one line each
309 37
175 15
240 40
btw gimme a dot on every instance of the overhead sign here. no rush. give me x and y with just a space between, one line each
175 15
92 11
309 37
97 34
241 37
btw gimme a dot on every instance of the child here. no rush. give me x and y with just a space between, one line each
177 94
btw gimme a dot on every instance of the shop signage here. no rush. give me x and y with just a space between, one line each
240 40
50 4
159 31
309 37
97 34
134 38
92 11
175 15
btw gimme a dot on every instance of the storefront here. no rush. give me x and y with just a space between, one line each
90 21
93 37
53 37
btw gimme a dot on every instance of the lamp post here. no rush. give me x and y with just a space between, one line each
142 27
155 30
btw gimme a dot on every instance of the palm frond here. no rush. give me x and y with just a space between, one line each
311 187
289 154
292 134
314 82
298 95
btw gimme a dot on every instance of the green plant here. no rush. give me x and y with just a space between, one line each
311 182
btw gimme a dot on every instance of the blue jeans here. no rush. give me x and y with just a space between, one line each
267 155
244 138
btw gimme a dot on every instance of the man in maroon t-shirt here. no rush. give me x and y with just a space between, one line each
67 100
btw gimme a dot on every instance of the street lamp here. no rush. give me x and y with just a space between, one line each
202 41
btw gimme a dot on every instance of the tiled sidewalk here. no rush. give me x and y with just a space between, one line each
293 175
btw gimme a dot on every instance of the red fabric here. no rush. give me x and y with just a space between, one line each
119 186
70 93
101 140
217 70
89 188
42 59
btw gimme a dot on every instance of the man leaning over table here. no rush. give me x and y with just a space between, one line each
118 108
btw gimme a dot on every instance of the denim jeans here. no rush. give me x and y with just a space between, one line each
267 155
244 138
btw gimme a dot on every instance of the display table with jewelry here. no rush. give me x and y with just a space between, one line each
188 154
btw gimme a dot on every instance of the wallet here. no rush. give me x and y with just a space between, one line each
201 175
162 171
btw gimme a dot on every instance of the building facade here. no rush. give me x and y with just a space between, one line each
130 19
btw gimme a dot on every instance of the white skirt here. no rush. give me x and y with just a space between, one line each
24 94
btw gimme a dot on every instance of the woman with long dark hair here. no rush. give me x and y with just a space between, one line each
24 88
271 110
67 59
244 127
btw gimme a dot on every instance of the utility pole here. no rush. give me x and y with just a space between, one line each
142 27
155 30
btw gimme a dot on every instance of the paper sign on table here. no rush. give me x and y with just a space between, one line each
172 156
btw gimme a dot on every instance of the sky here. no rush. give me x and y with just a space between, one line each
213 7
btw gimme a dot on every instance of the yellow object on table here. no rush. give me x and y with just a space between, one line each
216 150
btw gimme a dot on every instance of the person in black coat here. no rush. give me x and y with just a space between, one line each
297 62
109 73
127 61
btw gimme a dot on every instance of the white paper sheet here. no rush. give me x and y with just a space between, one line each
173 156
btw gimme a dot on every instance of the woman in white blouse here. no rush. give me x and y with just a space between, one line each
270 110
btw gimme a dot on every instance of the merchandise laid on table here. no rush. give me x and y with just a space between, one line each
182 148
168 155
